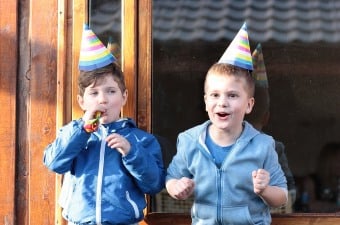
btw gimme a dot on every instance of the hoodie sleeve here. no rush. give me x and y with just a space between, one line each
178 166
145 163
71 139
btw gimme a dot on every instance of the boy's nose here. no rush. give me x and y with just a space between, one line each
102 98
222 102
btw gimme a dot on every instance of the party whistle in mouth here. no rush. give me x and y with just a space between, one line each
93 124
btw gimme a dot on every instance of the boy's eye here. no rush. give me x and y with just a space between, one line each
214 95
93 93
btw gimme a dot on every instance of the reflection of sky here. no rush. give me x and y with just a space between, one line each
211 20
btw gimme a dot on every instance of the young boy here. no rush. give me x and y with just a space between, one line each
109 163
231 168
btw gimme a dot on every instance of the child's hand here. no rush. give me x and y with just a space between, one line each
91 114
181 189
260 180
91 125
119 142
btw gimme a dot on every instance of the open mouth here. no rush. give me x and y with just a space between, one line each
223 115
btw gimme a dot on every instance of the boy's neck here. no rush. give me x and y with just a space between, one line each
224 137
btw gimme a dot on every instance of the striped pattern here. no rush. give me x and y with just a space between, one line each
93 54
238 52
259 72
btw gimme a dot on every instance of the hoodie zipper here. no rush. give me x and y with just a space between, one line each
219 196
100 176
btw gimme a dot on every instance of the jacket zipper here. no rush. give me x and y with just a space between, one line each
219 196
100 176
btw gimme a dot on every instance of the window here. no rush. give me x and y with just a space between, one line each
300 56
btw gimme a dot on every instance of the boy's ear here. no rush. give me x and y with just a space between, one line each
125 96
205 102
251 102
80 101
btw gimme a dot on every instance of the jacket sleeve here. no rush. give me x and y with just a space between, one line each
178 167
71 139
145 163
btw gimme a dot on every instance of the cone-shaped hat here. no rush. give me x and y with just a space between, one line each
238 52
93 53
259 73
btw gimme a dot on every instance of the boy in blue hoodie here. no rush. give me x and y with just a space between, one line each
109 163
231 168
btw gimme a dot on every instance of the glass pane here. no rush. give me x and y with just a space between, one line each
105 21
300 44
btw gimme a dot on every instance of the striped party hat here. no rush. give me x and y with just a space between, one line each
238 52
259 73
93 53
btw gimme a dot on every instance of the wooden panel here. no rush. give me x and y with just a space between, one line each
144 70
8 79
42 109
23 87
144 64
129 55
290 219
166 219
62 93
306 219
79 19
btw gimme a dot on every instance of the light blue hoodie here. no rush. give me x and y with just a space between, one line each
101 186
225 195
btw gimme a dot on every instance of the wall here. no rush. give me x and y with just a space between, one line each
28 94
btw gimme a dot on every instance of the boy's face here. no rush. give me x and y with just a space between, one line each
106 97
227 100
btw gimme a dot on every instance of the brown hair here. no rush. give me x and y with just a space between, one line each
231 70
86 78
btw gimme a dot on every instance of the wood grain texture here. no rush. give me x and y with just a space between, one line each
144 65
129 55
288 219
8 80
41 109
63 81
79 19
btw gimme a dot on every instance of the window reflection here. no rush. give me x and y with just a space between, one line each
105 21
300 45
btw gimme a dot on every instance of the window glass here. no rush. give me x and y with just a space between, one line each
300 43
105 21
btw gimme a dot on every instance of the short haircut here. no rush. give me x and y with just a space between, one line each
225 69
86 78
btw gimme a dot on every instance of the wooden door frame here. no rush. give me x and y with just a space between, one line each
69 40
8 95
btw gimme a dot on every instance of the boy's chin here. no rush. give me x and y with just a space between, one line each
105 120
